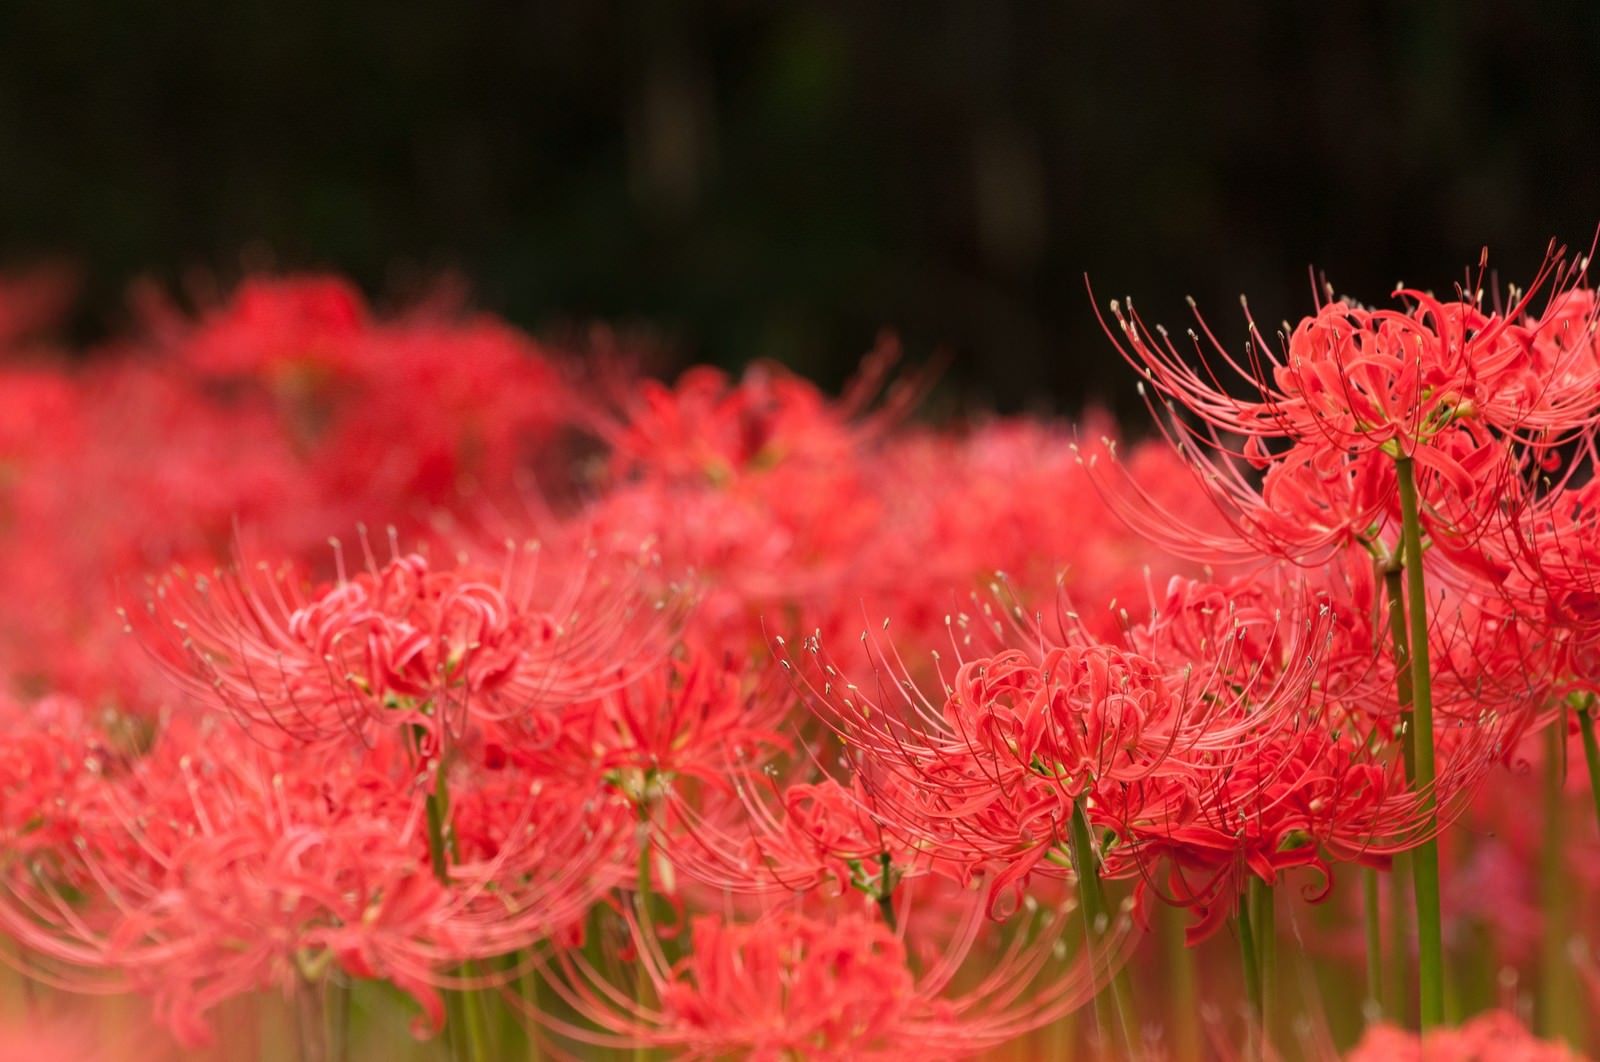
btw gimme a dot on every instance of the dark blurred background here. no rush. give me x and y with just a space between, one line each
762 180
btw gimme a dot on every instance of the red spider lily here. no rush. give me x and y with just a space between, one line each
403 643
1315 797
845 512
1309 503
800 837
1331 787
988 775
1006 495
1318 801
1491 668
842 988
50 754
1475 398
693 720
1304 800
213 867
735 494
92 497
1355 380
1283 793
1562 362
287 411
1551 554
268 327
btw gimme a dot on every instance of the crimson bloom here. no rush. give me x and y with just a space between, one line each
1301 465
212 866
987 776
836 988
402 643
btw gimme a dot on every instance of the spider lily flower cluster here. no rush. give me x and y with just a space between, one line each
692 720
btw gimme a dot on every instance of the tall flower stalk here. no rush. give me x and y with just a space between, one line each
1425 856
1388 431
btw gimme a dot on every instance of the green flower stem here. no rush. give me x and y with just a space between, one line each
1558 1005
1265 931
1399 984
1397 1007
886 892
465 1010
535 1051
1373 1003
476 1033
1425 857
646 923
528 989
1400 639
438 811
1591 749
1250 960
1113 1009
1183 992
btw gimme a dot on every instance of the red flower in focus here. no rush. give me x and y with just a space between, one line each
987 776
1356 381
799 837
404 642
1303 799
1301 466
212 867
834 989
693 720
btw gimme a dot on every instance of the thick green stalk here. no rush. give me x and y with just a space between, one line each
642 900
1558 1005
1400 639
476 1034
467 1013
1425 857
1398 1006
1114 1011
438 810
886 891
436 834
528 989
1400 981
1591 749
1372 1005
1265 931
1183 992
1250 960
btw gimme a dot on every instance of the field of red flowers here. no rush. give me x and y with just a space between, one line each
396 685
